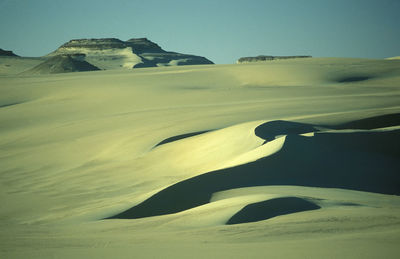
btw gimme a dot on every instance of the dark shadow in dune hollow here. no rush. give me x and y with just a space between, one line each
363 161
271 129
352 79
271 208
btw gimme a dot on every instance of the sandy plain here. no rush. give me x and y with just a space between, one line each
112 163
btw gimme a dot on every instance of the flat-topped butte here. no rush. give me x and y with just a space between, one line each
138 45
112 53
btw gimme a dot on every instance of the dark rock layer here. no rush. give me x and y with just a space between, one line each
139 45
267 58
7 53
63 64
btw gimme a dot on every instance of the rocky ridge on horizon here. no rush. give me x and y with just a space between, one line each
266 58
7 53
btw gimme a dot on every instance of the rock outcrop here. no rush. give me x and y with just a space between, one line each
266 58
111 53
63 63
7 53
138 46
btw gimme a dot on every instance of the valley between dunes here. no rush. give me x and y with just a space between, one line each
285 159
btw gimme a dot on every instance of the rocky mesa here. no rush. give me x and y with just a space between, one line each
112 53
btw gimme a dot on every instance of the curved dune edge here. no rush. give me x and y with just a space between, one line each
356 160
179 137
223 205
382 121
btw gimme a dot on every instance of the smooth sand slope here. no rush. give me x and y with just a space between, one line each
288 159
11 65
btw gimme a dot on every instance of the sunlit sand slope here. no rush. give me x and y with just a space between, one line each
15 65
288 159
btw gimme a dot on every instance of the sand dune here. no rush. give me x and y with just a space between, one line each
364 161
302 154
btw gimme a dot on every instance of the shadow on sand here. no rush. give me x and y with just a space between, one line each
352 79
271 208
8 104
272 129
363 161
383 121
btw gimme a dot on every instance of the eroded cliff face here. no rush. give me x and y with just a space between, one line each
112 53
262 58
139 45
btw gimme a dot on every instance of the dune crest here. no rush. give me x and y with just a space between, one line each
326 159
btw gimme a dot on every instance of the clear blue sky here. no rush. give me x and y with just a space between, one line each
221 30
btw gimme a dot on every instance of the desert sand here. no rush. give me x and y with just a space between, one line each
284 159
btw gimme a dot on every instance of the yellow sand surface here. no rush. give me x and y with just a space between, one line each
77 148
